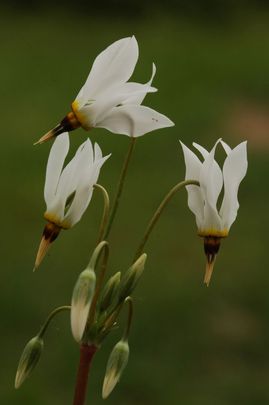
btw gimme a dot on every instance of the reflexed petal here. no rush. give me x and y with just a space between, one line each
195 199
212 221
216 174
211 177
82 160
97 152
112 66
83 192
96 110
138 98
201 149
211 184
234 170
70 179
55 163
134 120
226 147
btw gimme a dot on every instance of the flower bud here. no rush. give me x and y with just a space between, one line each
131 277
117 362
110 290
28 360
81 301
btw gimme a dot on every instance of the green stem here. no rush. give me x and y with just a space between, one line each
120 185
105 216
49 318
159 211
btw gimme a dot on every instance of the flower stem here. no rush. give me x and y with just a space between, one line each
120 185
159 211
105 216
86 354
49 318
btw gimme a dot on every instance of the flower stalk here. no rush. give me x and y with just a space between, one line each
120 185
50 317
105 216
159 211
86 355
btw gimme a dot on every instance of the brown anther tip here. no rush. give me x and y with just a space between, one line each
49 135
59 129
50 233
209 269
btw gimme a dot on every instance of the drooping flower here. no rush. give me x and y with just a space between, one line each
107 100
116 364
29 359
213 223
68 191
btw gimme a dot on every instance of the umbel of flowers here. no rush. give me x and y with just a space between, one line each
109 100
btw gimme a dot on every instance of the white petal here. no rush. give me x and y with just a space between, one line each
97 152
226 147
112 66
84 191
55 163
96 110
138 98
71 173
211 184
234 170
201 149
134 120
211 175
195 199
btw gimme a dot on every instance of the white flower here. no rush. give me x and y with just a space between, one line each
108 100
214 224
68 191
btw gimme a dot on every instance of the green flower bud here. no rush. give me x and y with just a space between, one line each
117 362
28 360
131 277
109 292
81 301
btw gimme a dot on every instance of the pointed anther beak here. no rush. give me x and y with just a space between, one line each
69 123
211 248
50 233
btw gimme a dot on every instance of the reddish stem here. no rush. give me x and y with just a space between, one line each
86 355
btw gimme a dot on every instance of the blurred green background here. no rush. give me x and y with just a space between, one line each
189 344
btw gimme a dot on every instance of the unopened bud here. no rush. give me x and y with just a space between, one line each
117 362
81 301
28 360
131 277
110 290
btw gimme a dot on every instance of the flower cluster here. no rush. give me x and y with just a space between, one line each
109 100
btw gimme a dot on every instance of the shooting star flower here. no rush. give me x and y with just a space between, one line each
68 191
214 224
107 100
